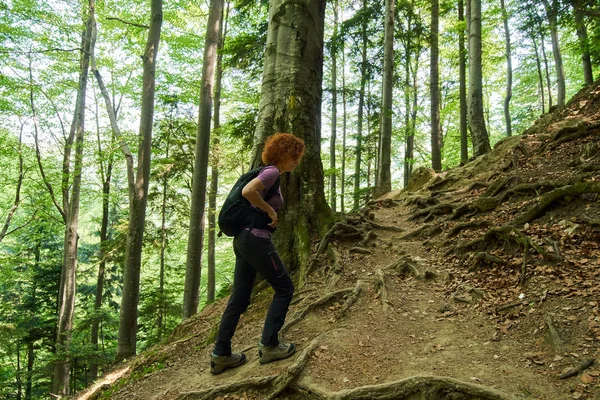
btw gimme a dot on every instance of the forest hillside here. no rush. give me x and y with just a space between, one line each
480 282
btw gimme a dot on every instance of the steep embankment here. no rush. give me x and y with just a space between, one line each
482 282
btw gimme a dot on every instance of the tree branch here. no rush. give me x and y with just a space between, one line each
128 23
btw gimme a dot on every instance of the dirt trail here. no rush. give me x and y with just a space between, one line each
450 291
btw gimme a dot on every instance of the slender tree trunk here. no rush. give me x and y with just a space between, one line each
30 363
509 76
462 56
17 200
67 289
434 89
163 249
479 134
408 133
547 69
215 160
196 232
540 76
19 382
106 176
344 130
334 49
138 192
584 44
384 181
361 105
291 102
552 13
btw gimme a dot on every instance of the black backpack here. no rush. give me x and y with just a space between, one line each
237 213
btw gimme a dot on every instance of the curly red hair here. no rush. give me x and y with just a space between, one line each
282 146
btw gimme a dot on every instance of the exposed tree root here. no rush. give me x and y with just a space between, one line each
575 371
568 134
590 221
476 185
508 234
498 185
244 384
293 371
421 201
351 299
416 387
386 227
381 287
360 250
428 213
482 204
530 187
591 168
406 265
554 335
319 302
483 257
549 198
427 230
476 224
436 186
278 382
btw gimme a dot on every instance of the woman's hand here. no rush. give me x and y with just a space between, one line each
273 216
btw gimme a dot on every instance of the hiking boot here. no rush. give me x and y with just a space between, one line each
268 354
219 364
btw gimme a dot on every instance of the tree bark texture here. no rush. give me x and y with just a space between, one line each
552 14
547 69
361 106
334 50
509 76
384 181
127 340
291 102
434 88
196 233
584 45
462 57
215 162
67 289
344 130
479 134
540 75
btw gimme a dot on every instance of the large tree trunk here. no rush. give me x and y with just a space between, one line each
552 13
479 134
384 181
196 232
291 102
67 289
462 57
334 49
139 193
434 89
584 44
509 76
215 159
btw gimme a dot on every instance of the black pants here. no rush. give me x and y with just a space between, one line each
254 255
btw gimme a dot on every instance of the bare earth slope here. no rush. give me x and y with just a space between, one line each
483 283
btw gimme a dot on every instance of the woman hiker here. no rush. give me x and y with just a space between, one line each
254 252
